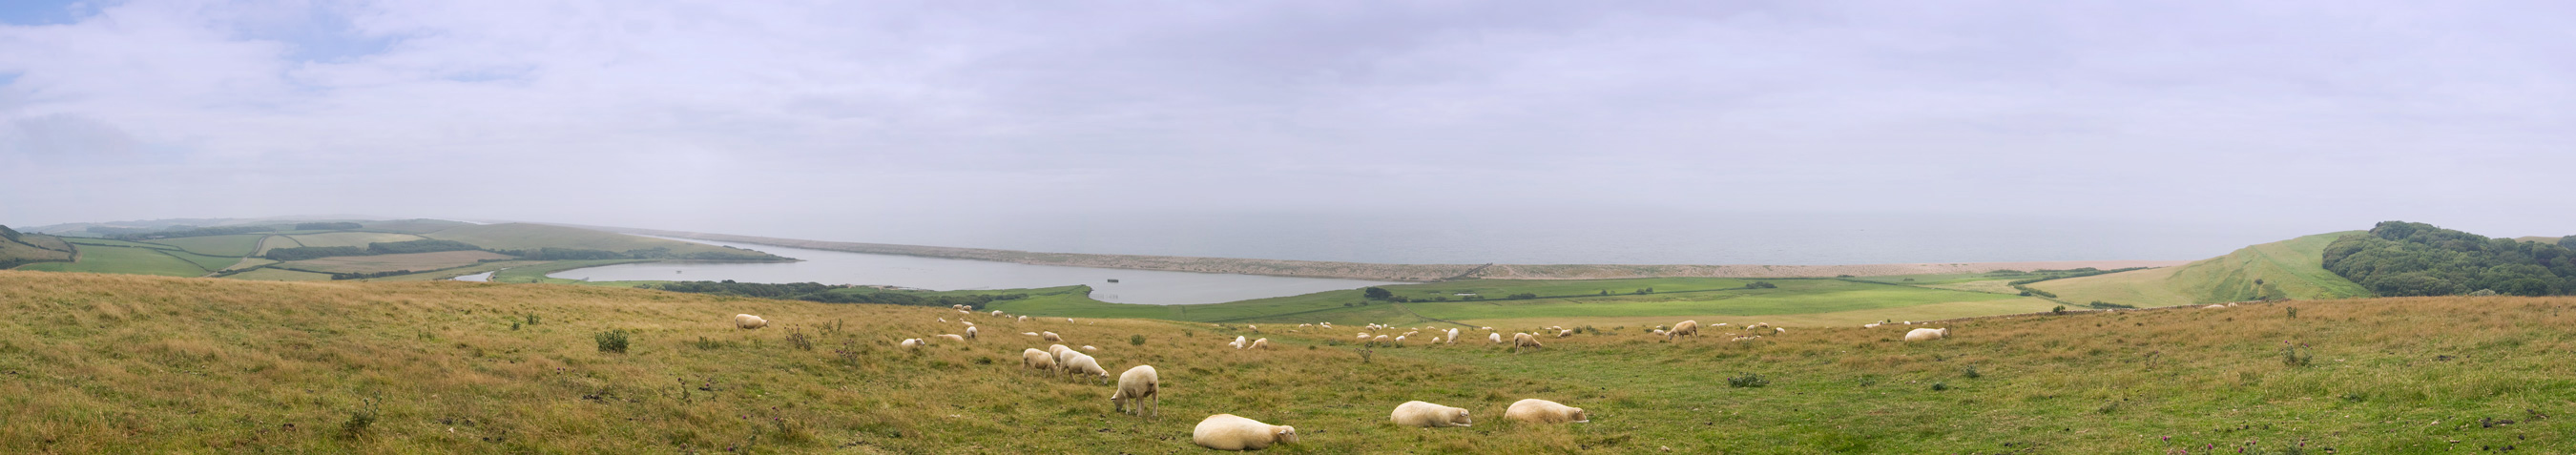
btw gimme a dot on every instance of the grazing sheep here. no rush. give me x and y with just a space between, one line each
1496 336
1058 351
1659 332
1051 336
1090 348
943 320
1228 432
1565 333
1029 333
1068 320
1927 334
950 337
1399 339
2213 307
997 313
1758 325
1364 337
1542 411
1261 343
745 321
1082 364
1488 329
1426 415
970 331
1380 339
1137 384
1024 319
1035 359
913 343
1238 342
1872 325
1453 335
1688 328
1520 340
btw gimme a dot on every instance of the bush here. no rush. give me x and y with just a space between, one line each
362 417
1940 386
2061 309
612 341
1747 380
1971 372
2295 356
1523 296
1765 285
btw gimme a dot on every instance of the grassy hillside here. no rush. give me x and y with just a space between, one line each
519 236
356 239
12 252
2291 269
1712 297
147 364
418 262
235 246
134 260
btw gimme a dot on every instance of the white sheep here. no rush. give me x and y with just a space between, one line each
1068 320
1261 344
1565 333
1228 432
1658 332
1051 336
1453 335
970 331
1496 336
1758 325
1058 351
1542 411
1364 337
1688 328
1080 364
1090 348
1035 359
745 321
1238 342
950 337
1927 334
1024 319
997 313
1399 339
913 343
2213 307
1520 340
1488 329
1380 339
1426 415
1029 333
943 320
1872 325
1137 384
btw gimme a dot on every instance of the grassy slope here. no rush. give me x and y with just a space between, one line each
393 262
356 239
275 242
516 236
110 259
15 250
2295 267
159 364
210 263
457 272
217 245
279 275
1672 297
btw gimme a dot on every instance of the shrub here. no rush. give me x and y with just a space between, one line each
1940 386
532 319
2294 312
1768 285
362 417
797 338
1747 380
1971 372
1135 340
2295 356
2061 309
612 341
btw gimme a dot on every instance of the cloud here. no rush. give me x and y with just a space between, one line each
2212 112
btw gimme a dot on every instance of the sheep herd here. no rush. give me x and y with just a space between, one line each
1140 387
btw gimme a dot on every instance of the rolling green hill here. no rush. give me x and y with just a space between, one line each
523 236
2288 269
110 364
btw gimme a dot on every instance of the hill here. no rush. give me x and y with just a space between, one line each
523 236
17 248
121 363
2288 269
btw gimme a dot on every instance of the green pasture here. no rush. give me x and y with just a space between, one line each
217 245
96 258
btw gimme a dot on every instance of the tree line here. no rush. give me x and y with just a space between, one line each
830 293
2399 258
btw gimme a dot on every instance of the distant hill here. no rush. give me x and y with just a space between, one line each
19 248
523 236
413 226
2288 269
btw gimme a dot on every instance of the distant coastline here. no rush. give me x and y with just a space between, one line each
1391 272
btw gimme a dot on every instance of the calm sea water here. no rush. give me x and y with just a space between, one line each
834 267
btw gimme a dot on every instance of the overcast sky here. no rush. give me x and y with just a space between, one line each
734 115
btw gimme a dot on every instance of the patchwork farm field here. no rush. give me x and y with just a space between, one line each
393 262
227 366
356 239
96 258
234 246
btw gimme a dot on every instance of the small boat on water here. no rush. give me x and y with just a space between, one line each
1113 280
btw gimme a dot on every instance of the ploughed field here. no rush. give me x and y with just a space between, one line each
96 363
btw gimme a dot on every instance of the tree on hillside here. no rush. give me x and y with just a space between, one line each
1376 293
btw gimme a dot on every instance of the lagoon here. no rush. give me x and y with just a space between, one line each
834 267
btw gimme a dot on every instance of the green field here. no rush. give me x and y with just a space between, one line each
46 242
14 250
151 364
2292 269
418 262
280 275
275 242
1671 297
520 236
537 273
450 274
421 226
209 263
217 245
356 239
111 259
121 243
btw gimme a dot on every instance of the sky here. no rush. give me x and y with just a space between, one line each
914 121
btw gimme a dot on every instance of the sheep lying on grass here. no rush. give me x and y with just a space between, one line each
1228 432
1051 336
1427 415
950 337
913 343
1542 411
1565 333
1496 336
1927 334
1137 384
745 321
